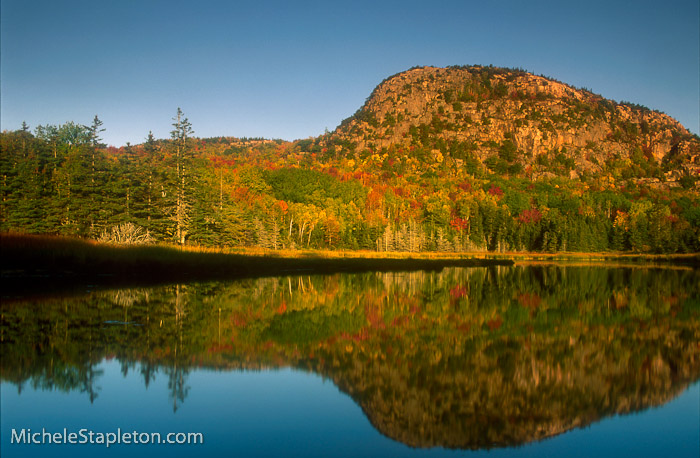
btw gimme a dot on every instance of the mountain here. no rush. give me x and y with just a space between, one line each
504 117
437 159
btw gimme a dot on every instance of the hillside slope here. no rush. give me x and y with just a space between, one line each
518 118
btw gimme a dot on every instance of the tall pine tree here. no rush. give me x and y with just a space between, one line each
183 164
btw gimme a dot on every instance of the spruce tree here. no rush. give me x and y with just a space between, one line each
155 189
183 163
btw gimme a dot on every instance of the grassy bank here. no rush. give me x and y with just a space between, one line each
31 262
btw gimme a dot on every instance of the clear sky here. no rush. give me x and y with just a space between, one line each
290 69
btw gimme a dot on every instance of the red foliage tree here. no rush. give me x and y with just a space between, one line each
495 191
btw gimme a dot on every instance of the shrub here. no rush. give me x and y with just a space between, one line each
126 234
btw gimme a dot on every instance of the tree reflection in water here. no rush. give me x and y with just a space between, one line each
463 358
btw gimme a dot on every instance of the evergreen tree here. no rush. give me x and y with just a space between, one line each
183 163
99 202
154 216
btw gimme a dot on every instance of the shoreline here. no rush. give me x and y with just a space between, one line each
31 263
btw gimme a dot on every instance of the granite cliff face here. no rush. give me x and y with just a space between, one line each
524 118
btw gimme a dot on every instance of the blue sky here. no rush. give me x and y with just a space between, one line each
290 69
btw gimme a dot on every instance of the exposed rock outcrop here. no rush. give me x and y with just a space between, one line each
484 107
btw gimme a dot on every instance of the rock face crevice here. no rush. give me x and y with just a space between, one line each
483 107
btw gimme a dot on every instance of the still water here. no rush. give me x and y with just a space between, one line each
538 360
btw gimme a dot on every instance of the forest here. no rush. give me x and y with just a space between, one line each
321 193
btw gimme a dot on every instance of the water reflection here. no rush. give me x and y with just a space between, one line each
463 358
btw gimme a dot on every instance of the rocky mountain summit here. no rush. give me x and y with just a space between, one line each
514 121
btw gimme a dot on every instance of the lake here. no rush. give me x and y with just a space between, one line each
525 360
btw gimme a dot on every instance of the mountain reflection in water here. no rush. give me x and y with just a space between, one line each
462 358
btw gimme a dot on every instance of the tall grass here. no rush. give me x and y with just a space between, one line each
34 252
51 260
